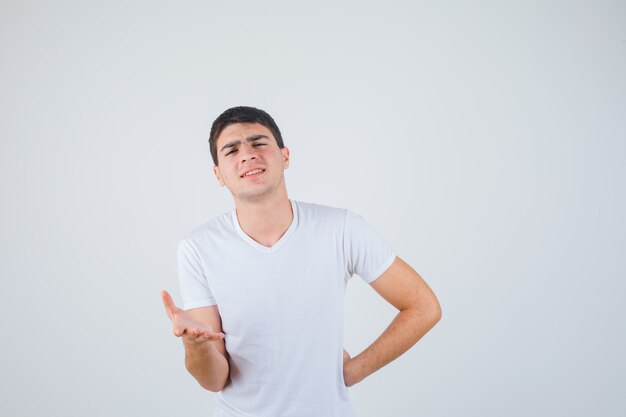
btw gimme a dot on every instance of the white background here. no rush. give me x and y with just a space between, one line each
485 141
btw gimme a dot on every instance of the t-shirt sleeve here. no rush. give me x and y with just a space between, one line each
366 253
194 287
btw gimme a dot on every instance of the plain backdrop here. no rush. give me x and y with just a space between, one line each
484 141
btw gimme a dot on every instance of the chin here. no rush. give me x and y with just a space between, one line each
253 194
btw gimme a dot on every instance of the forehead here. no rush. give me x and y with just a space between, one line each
241 131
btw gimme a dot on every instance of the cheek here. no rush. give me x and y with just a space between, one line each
227 171
232 169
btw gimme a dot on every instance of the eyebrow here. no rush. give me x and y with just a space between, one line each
237 142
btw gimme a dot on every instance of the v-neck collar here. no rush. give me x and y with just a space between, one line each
279 243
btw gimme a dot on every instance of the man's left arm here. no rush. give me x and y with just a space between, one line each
419 309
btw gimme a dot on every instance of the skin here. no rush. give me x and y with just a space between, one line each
264 213
262 204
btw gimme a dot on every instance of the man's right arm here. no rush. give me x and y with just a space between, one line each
206 360
206 357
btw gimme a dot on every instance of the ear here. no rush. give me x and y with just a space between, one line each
216 171
285 152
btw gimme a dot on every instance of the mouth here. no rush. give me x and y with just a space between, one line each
254 173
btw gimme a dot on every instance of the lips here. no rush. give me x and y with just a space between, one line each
253 175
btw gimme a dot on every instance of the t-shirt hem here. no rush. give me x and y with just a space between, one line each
374 276
199 303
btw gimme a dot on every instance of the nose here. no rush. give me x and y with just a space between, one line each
247 152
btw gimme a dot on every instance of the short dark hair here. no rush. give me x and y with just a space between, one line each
242 114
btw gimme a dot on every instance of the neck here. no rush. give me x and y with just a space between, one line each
265 220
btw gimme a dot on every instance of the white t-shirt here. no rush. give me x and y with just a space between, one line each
282 306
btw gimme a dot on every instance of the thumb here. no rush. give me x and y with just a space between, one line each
168 303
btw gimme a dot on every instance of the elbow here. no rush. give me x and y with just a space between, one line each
435 309
213 388
434 312
428 310
210 382
437 314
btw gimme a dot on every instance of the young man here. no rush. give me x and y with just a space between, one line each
263 287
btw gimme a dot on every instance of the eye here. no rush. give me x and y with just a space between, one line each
235 150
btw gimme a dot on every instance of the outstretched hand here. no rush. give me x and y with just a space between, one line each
185 326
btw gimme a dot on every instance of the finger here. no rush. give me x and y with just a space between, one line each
170 307
196 334
203 334
206 335
213 336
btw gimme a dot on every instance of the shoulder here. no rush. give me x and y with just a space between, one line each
217 227
315 212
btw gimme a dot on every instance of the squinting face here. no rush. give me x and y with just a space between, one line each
243 147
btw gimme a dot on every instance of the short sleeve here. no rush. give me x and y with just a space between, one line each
194 287
366 253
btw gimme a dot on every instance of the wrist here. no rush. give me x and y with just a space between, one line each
352 372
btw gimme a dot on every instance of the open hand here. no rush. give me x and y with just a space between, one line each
184 325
